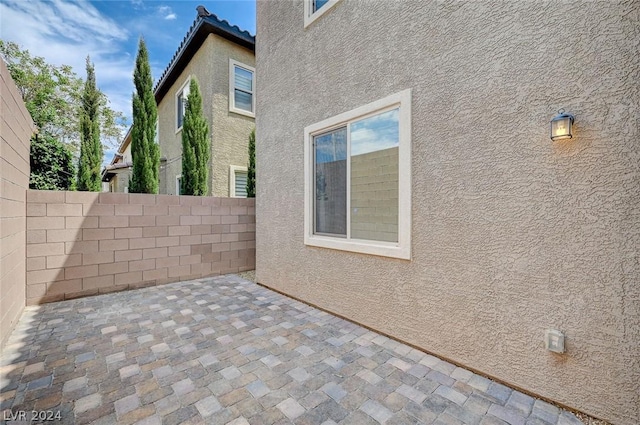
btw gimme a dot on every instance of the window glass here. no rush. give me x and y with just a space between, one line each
317 4
243 100
243 89
181 109
374 177
241 184
330 158
243 79
182 104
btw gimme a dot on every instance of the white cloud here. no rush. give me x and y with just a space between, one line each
167 13
65 32
375 133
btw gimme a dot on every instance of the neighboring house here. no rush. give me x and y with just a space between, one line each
222 58
117 174
408 182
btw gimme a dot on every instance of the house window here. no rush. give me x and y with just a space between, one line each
318 4
156 139
237 181
313 9
178 185
358 179
181 104
241 88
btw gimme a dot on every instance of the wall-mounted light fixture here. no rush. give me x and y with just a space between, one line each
561 126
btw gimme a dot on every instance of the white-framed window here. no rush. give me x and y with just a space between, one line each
313 9
358 179
181 103
238 181
178 184
242 99
156 139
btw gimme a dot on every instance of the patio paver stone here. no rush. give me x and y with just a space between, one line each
225 350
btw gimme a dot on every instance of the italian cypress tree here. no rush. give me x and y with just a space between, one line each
195 145
251 169
90 145
144 152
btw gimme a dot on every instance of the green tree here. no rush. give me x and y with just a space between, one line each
53 95
90 146
195 145
51 164
144 152
251 169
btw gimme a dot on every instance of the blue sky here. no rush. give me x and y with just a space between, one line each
65 32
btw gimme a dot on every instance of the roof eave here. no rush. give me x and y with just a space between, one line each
194 39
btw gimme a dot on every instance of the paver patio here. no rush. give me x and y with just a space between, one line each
224 350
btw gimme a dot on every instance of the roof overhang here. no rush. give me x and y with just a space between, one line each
198 33
110 171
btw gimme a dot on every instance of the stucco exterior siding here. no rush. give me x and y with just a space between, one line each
229 132
512 233
170 136
120 182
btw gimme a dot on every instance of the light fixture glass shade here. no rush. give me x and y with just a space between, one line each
561 126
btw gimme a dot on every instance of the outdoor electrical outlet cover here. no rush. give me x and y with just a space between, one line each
554 340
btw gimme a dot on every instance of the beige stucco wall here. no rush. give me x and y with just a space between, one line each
120 182
229 131
15 132
512 234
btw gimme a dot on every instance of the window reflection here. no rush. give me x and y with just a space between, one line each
374 177
330 155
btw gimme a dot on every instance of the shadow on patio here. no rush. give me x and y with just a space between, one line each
225 350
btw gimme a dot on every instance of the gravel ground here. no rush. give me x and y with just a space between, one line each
586 419
249 275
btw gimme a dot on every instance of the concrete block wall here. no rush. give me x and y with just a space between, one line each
16 129
84 243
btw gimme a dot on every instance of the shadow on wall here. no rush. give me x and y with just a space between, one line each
84 243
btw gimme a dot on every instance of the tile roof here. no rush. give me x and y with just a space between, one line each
205 23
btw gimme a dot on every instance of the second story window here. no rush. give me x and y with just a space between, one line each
181 104
313 9
317 4
241 88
